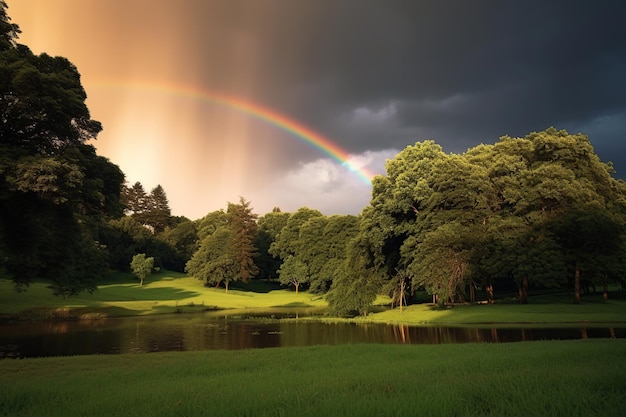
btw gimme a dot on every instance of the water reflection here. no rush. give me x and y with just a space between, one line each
246 331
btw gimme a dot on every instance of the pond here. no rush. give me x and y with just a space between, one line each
246 330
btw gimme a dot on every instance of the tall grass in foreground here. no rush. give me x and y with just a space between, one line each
567 378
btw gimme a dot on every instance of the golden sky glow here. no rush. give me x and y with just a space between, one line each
203 155
369 77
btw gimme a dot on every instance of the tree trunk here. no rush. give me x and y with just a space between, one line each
490 293
605 295
297 284
226 283
577 284
523 291
472 293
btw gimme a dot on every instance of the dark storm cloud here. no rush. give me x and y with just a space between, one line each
459 72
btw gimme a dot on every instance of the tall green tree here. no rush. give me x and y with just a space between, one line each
215 262
227 250
208 224
456 221
357 281
158 215
135 200
287 240
322 246
591 241
562 174
54 191
9 32
243 226
43 109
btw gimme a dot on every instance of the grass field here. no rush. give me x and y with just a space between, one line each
165 292
558 378
170 292
564 378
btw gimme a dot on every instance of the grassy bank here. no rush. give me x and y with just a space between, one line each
165 292
554 309
565 378
169 292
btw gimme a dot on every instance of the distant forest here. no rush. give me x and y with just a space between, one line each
527 213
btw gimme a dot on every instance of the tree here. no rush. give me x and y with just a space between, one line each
55 192
215 261
43 103
210 223
293 272
158 214
227 250
57 196
322 247
141 266
443 261
9 32
183 238
591 240
287 240
135 200
357 281
242 222
270 226
564 175
98 194
456 221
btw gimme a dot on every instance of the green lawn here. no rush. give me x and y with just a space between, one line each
562 378
540 310
165 292
169 292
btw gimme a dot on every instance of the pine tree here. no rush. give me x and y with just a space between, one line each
243 226
135 200
158 214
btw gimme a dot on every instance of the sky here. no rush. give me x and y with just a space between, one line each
293 103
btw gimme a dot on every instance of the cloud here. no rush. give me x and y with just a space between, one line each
370 76
325 184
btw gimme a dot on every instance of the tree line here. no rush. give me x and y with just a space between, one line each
540 211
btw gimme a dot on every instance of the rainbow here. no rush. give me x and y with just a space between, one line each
264 114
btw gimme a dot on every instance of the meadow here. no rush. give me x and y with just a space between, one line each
164 292
546 378
557 378
171 292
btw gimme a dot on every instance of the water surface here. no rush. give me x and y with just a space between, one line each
246 330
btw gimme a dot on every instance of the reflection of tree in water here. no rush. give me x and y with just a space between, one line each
199 333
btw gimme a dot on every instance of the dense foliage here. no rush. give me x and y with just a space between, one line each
542 210
55 191
227 251
62 206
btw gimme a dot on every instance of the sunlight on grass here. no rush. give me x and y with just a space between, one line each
171 292
165 292
561 311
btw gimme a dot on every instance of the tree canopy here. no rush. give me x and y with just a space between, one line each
55 192
528 210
